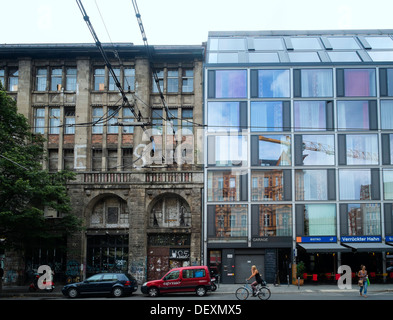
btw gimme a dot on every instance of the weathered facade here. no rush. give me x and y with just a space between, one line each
140 199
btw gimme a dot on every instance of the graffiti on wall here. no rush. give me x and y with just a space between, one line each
138 270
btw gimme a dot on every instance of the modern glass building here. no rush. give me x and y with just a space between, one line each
298 153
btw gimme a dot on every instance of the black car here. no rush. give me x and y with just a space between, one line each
116 284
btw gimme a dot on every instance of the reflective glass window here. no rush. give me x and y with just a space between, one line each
223 116
230 150
341 56
267 185
273 150
266 116
320 220
359 82
355 184
362 149
231 83
304 57
311 185
317 83
364 219
388 184
381 55
309 115
318 149
268 44
274 220
306 43
273 83
380 42
229 221
353 115
342 43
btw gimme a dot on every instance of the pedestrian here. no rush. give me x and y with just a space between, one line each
362 274
258 279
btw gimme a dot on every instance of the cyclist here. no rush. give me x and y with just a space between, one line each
258 279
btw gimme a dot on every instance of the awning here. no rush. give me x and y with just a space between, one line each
324 247
369 246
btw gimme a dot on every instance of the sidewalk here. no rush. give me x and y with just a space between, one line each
23 291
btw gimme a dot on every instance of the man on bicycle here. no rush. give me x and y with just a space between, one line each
258 279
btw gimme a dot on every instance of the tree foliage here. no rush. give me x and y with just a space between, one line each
25 188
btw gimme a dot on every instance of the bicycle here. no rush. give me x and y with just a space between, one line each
262 291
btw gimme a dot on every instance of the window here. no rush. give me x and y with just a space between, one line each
69 114
388 184
342 56
363 219
270 84
310 115
98 113
316 83
356 82
112 83
271 150
267 185
53 159
112 215
305 43
157 121
112 159
268 44
314 150
56 79
2 77
127 117
129 79
99 79
269 115
173 81
68 159
227 221
311 184
226 116
127 159
320 220
357 115
387 114
71 79
226 186
97 160
41 79
362 149
380 42
342 43
304 57
39 120
174 275
355 184
230 84
13 80
194 273
187 121
228 150
188 80
160 78
227 44
54 121
113 114
273 220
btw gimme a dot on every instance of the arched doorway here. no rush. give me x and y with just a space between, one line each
169 235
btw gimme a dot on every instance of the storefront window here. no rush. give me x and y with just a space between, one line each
320 220
275 220
364 219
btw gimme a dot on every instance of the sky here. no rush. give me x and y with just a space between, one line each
180 22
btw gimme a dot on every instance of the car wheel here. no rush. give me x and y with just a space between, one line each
72 293
200 291
117 292
153 292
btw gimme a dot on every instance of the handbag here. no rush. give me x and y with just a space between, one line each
368 281
360 283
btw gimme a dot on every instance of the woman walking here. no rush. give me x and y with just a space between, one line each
362 274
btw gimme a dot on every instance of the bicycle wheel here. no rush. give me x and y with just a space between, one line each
264 293
242 293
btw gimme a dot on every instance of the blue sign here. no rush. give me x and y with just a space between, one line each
389 238
319 239
361 239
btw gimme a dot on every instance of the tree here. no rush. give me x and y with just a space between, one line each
25 188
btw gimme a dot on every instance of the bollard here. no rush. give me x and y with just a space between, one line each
298 283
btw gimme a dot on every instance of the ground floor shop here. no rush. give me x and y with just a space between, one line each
233 265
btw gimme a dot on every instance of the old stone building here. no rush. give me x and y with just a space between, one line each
138 187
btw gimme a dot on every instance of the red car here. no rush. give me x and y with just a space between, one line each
186 279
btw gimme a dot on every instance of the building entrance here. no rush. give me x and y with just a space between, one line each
244 263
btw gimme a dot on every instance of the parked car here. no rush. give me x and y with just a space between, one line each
116 284
186 279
